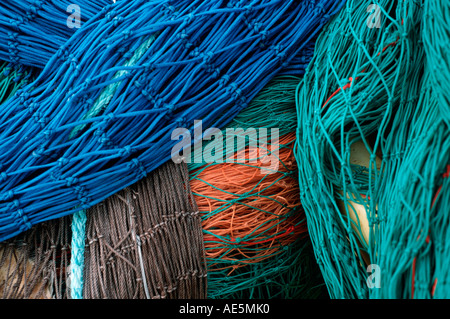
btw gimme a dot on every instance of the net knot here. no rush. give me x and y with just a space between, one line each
248 9
62 162
48 133
87 83
32 12
216 73
126 151
22 221
3 176
263 36
15 23
182 34
224 80
23 96
170 108
70 181
8 195
38 152
110 15
110 116
126 34
117 21
207 57
195 52
189 17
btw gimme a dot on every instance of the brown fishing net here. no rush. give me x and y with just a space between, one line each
143 242
34 264
146 241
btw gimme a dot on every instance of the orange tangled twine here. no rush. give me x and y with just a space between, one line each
249 216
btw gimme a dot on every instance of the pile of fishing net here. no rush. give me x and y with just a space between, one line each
255 231
337 185
373 150
97 120
250 234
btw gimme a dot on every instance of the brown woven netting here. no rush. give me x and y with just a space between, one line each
34 264
146 241
143 242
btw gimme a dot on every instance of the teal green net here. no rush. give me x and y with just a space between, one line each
12 78
373 150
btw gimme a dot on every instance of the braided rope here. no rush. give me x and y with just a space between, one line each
77 254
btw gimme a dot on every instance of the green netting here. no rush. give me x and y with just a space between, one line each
372 151
436 39
434 258
292 274
414 240
12 78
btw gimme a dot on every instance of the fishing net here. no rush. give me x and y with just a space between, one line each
31 31
372 150
146 241
414 249
86 119
143 242
268 253
436 32
413 244
361 178
35 264
255 231
430 265
271 237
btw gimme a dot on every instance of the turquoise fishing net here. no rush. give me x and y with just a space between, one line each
413 251
368 92
436 39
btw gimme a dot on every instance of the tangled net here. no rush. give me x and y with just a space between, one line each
372 150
